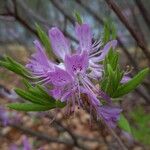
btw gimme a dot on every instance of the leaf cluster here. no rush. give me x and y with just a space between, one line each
141 125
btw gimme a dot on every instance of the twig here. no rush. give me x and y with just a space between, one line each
66 129
59 6
32 14
136 22
41 136
144 12
132 31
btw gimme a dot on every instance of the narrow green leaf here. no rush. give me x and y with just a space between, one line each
44 39
26 83
30 107
78 18
15 67
124 124
132 84
106 34
38 95
28 96
113 30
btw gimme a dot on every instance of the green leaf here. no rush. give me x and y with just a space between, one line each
114 32
140 125
124 124
45 40
30 97
15 67
106 34
78 18
38 95
26 83
132 84
30 107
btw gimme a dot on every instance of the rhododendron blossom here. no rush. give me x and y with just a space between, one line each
77 74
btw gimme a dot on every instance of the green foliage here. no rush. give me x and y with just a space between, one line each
44 39
109 31
111 83
39 99
124 124
141 127
112 73
15 67
132 84
30 107
78 18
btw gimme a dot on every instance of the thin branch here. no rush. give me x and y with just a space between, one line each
41 136
144 12
113 5
60 7
32 15
136 22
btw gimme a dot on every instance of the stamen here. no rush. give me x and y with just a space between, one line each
43 81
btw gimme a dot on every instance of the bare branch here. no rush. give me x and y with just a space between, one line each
144 12
134 34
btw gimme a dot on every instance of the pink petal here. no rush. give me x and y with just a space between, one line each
40 55
39 64
84 35
59 43
109 114
105 50
60 77
125 79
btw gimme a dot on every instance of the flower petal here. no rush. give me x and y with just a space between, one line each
39 64
26 144
59 43
109 114
93 100
84 35
40 55
60 77
105 50
125 79
76 63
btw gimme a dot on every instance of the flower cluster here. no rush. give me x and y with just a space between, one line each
26 145
75 79
6 117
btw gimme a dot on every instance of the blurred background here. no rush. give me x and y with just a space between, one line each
47 131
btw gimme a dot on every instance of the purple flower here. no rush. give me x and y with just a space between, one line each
59 43
26 144
72 77
110 115
4 116
40 65
13 147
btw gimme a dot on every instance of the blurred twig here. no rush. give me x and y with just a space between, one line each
41 135
30 13
144 12
136 22
113 5
60 7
